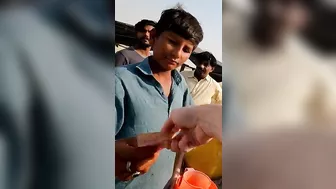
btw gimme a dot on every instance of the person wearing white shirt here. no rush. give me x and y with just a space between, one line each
203 88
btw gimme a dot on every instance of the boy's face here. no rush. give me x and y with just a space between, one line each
171 50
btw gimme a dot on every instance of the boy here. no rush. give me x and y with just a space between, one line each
147 92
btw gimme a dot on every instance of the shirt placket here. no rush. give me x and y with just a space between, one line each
193 87
198 83
167 100
171 98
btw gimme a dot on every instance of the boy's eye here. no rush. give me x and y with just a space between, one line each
186 50
172 41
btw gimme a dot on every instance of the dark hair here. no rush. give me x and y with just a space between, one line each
206 57
182 23
141 25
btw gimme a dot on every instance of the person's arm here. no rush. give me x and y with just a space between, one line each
120 59
119 105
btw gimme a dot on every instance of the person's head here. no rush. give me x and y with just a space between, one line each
143 30
205 64
274 18
175 37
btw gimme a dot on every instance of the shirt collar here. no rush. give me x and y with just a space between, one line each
144 67
146 70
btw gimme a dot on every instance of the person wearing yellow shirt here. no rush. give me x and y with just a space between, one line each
205 90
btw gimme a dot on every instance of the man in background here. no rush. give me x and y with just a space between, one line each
203 88
142 47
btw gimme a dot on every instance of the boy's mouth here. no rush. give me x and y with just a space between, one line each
170 61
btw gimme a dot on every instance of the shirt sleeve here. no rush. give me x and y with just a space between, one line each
120 59
119 104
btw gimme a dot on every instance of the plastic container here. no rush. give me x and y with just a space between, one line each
193 179
207 159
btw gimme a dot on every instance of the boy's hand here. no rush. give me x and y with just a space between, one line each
140 158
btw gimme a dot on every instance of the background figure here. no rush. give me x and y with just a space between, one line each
280 82
321 32
56 97
284 160
142 47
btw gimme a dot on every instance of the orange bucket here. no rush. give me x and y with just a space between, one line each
193 179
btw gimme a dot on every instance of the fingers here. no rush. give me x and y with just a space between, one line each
179 119
140 165
166 144
168 126
185 145
144 165
182 144
175 143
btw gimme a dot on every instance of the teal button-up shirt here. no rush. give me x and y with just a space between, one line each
142 107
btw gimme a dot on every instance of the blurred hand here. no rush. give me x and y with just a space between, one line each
141 158
286 160
198 124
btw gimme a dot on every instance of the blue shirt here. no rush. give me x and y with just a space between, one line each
142 107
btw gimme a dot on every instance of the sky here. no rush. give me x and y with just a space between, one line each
208 14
